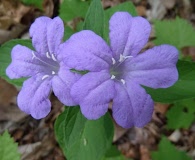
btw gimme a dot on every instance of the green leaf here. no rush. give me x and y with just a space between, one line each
167 151
70 9
79 72
176 32
8 148
113 154
79 26
5 60
181 115
182 89
83 139
126 6
68 32
36 3
94 19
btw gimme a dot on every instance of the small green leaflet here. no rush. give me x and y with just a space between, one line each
36 3
94 19
8 148
126 6
83 139
5 54
182 89
79 72
178 32
114 154
181 115
68 32
70 9
167 151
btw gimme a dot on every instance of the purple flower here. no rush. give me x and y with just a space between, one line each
44 67
117 72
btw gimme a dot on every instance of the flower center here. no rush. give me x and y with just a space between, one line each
117 68
49 62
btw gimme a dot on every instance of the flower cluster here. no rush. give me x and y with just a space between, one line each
116 72
45 68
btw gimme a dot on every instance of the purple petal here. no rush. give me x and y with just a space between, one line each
128 35
86 51
119 25
93 92
61 85
154 68
132 106
23 64
55 33
47 35
38 32
33 98
122 110
141 103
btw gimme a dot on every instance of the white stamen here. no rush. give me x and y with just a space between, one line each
121 58
128 57
47 55
45 76
53 57
84 141
113 77
113 61
123 81
53 72
33 55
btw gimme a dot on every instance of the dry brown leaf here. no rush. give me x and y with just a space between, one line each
11 113
157 10
27 149
8 108
48 7
161 108
189 51
175 136
110 3
141 10
7 93
145 153
13 10
169 4
184 8
14 32
118 132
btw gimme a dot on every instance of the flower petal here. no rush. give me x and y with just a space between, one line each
55 33
132 106
61 85
121 109
47 35
142 104
93 92
38 32
128 35
33 98
86 51
23 64
154 68
119 25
